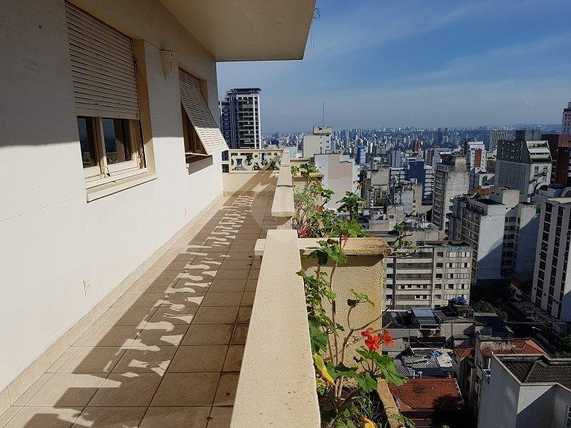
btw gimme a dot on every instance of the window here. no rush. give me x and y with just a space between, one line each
202 136
193 148
106 98
109 147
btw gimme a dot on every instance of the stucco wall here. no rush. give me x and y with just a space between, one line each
498 399
59 254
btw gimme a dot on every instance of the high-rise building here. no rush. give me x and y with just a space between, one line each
450 180
560 148
497 135
566 123
435 274
524 165
240 119
551 290
317 143
475 152
501 231
423 174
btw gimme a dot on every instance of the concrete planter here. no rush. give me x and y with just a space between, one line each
363 272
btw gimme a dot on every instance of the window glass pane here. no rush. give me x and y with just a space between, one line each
87 141
117 140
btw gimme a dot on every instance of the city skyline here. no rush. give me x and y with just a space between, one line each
413 64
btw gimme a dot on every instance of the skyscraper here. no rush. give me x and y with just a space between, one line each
240 118
450 180
566 123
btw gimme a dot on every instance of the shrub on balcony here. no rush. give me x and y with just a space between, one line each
348 358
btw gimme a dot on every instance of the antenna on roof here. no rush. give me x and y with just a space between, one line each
323 116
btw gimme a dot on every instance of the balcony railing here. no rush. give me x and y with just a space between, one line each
251 160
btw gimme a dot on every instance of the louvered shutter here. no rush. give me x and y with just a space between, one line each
199 114
102 68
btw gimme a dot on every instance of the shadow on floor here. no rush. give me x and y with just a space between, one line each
168 351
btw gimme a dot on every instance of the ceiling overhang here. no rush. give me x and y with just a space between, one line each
253 30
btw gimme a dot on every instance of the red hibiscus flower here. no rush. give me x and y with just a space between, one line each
388 339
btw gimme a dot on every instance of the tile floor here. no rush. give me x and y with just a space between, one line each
168 352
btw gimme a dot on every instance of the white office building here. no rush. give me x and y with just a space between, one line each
436 273
340 174
317 143
523 165
501 232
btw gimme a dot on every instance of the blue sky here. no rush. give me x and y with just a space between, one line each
425 63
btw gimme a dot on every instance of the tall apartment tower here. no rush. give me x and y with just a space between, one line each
475 152
450 180
566 123
240 118
551 290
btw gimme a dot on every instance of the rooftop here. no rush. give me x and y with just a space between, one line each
427 394
534 369
513 346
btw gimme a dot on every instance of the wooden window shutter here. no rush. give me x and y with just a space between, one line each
102 68
196 108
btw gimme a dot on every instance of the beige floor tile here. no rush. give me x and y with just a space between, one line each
208 334
176 417
220 417
111 417
240 334
186 389
87 360
234 358
248 298
232 273
157 336
244 314
226 392
200 358
251 285
44 417
8 414
227 285
216 315
127 390
107 334
61 389
144 361
134 315
175 315
229 298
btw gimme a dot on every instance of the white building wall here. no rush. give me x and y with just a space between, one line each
339 175
60 254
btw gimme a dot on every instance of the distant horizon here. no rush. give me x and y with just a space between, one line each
482 127
417 63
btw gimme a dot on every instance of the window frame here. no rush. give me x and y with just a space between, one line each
104 171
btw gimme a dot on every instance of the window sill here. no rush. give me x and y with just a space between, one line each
118 185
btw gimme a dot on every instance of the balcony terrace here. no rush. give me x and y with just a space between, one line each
168 351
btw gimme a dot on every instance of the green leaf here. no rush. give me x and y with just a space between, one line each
366 382
317 337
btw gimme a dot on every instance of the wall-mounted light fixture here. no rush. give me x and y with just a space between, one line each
168 61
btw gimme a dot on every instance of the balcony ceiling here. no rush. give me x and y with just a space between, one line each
253 30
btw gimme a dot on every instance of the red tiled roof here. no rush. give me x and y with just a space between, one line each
426 394
514 346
